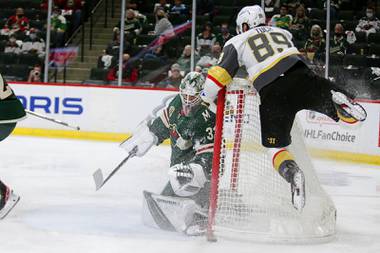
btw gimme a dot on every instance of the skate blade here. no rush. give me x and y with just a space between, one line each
11 203
298 191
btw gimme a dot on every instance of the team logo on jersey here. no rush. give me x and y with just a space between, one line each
271 140
173 131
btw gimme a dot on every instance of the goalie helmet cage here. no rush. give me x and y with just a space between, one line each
248 198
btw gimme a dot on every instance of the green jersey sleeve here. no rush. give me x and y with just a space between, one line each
161 125
11 109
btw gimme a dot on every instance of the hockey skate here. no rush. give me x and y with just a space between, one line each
290 171
8 200
348 111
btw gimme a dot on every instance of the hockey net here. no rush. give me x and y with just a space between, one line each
248 198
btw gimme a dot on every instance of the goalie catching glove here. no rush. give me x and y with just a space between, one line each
142 138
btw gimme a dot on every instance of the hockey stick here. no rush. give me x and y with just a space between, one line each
98 175
52 120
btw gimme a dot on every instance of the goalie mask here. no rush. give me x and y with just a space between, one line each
252 16
190 89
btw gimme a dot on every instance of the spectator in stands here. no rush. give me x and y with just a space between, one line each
106 61
156 53
282 20
130 73
163 24
139 5
205 40
58 27
300 24
179 8
16 24
34 44
72 10
224 34
184 61
13 46
174 78
339 43
132 26
114 47
270 7
35 74
205 7
315 46
211 59
162 5
369 23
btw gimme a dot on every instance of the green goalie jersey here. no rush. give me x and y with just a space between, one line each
11 109
191 136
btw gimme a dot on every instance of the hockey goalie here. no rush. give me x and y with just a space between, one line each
189 124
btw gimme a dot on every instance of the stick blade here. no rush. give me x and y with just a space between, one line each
98 179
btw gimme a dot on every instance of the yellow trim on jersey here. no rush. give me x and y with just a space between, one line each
280 157
271 65
220 75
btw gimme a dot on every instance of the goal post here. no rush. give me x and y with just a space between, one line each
248 198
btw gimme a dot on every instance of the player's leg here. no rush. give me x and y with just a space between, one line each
8 199
284 162
321 95
277 116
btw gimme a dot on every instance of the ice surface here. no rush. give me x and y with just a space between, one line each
60 212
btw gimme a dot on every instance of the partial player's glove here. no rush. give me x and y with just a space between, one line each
210 103
142 138
187 179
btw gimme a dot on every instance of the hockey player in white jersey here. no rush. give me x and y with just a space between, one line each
285 85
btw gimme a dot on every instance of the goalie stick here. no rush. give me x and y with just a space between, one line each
52 120
98 174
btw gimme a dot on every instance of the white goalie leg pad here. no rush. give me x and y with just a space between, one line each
187 179
170 213
142 138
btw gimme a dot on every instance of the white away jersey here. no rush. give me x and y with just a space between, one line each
266 52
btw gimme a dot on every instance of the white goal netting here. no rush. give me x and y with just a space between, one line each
252 200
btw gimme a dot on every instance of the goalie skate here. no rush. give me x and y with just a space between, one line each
347 108
7 202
